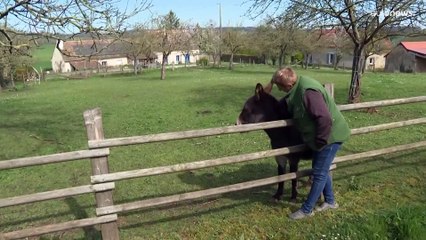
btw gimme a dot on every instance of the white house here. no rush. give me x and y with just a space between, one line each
70 56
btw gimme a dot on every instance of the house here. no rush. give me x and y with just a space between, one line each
407 57
81 55
375 61
70 56
336 48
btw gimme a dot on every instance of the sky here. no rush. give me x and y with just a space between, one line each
233 12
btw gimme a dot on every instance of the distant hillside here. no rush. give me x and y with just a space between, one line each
42 56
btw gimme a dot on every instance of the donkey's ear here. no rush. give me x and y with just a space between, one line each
259 90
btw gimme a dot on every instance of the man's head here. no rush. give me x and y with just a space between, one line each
285 78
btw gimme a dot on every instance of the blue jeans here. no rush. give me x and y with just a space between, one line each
322 182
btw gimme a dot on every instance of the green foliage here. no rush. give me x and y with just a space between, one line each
204 61
299 57
387 201
42 56
170 21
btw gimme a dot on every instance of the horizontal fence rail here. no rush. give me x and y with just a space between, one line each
160 201
55 194
236 159
53 158
156 202
114 142
37 231
161 137
381 103
195 165
103 181
379 152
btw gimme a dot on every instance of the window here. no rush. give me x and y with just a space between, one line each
104 63
177 58
187 59
371 61
331 58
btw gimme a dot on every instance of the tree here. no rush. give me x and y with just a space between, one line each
341 43
31 21
362 20
171 35
285 35
208 40
233 41
11 59
261 41
309 41
139 44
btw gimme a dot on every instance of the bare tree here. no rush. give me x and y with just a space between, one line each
309 41
60 19
261 40
285 35
11 59
362 20
171 34
233 41
341 43
208 40
139 44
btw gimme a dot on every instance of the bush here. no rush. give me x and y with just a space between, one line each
202 61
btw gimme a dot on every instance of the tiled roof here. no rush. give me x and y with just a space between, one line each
417 47
93 48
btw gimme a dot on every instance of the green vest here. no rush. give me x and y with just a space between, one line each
340 131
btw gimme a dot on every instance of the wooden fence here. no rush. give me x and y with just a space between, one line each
102 181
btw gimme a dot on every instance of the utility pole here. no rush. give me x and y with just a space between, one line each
220 33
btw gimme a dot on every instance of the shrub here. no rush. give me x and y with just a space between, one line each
202 61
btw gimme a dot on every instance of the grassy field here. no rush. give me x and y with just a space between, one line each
380 198
42 56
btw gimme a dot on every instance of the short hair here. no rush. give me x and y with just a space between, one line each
283 75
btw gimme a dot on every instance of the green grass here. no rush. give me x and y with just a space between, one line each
42 56
380 198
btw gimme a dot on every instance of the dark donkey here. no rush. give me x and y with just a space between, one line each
262 107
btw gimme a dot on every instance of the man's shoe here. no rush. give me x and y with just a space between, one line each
299 214
326 206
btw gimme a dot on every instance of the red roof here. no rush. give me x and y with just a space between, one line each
417 47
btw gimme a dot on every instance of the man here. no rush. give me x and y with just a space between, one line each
323 129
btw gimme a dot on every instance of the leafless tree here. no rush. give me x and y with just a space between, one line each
341 43
261 41
208 40
171 35
32 20
285 35
233 41
139 44
309 42
362 20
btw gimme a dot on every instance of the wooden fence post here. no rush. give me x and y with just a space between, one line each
94 129
329 87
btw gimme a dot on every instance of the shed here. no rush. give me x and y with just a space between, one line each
407 57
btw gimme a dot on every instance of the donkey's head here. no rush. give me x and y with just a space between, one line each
262 107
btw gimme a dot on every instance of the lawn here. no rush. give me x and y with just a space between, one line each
42 56
380 198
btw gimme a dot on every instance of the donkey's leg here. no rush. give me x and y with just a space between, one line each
294 166
281 162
